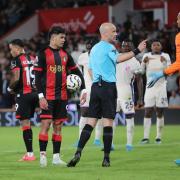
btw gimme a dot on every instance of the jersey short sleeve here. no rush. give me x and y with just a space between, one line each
80 60
71 64
15 65
113 54
40 61
136 65
167 57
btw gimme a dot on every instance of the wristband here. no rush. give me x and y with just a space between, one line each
41 95
136 51
9 89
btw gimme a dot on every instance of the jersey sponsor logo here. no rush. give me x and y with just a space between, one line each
56 68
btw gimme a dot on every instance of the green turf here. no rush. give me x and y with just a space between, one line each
145 162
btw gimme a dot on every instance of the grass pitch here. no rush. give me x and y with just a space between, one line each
145 162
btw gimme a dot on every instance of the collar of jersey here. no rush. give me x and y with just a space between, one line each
54 49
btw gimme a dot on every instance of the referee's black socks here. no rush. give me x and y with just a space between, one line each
85 135
107 139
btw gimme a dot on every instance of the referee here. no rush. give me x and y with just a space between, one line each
102 66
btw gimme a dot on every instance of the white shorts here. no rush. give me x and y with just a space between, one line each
125 99
156 96
86 104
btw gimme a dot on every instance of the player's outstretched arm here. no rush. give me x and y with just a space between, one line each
126 56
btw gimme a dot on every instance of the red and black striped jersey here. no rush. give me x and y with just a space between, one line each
24 63
54 64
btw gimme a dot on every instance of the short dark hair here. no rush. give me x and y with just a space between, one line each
17 42
155 40
56 30
92 41
127 40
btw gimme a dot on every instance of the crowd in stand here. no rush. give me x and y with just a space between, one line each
14 11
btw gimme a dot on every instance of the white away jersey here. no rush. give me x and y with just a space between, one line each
155 62
83 61
125 71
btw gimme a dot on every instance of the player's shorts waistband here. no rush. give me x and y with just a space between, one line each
105 83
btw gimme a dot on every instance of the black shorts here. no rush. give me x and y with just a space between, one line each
26 105
103 100
57 111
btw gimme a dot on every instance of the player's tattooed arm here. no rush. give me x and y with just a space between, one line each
14 80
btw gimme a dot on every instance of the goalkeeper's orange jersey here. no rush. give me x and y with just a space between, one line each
176 65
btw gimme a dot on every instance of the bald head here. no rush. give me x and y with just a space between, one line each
105 27
108 32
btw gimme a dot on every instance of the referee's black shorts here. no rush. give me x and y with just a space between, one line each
103 100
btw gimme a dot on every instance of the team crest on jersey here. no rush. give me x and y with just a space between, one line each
64 58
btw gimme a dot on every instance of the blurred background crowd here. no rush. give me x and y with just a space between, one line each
14 11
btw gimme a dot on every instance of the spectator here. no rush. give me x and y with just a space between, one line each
174 99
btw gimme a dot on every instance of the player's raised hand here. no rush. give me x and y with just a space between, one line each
142 45
154 77
43 103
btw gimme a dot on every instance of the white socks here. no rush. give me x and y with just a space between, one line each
55 156
30 154
130 130
147 126
159 127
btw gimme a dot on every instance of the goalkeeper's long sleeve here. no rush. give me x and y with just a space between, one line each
176 65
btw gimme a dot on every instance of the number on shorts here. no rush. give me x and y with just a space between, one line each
129 105
16 106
